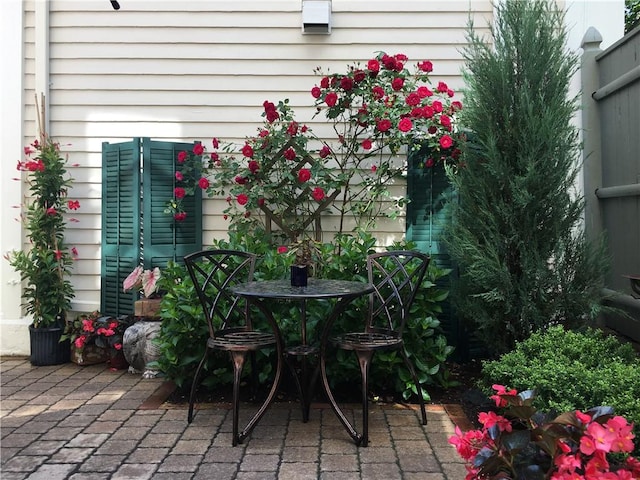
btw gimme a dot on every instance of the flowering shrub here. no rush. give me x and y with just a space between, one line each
146 281
101 330
524 443
47 264
287 176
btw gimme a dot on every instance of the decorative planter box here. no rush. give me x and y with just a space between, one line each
147 307
89 355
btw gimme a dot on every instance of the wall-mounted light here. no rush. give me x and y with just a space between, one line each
316 17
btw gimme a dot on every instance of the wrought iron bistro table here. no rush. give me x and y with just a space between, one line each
259 292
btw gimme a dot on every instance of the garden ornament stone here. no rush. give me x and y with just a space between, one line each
139 348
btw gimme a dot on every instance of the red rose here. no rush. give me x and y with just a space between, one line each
261 201
377 92
424 92
445 121
358 76
405 125
346 84
179 192
450 93
432 129
397 83
282 249
456 105
292 128
373 66
442 87
413 99
254 166
318 194
215 143
427 111
242 199
316 92
182 156
374 168
247 151
304 175
324 152
240 180
389 62
425 66
429 163
366 144
416 112
383 125
180 217
331 99
179 176
446 141
437 106
289 154
198 149
324 83
203 183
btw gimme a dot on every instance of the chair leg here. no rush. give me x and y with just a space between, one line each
364 359
238 359
412 370
194 385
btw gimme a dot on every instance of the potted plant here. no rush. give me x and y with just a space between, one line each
146 282
45 265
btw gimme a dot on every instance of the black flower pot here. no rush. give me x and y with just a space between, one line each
46 347
299 275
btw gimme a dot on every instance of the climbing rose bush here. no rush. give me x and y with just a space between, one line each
524 443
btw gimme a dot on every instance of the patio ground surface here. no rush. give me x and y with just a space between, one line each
72 422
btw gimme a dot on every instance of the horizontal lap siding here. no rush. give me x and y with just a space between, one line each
189 71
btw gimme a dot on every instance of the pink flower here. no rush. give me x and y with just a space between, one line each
179 176
405 125
282 249
180 216
80 341
318 194
374 168
596 438
179 192
242 199
203 183
331 99
446 141
51 211
304 175
489 419
182 156
74 251
198 149
73 204
87 325
366 144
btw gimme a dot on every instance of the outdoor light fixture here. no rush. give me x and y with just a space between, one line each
316 17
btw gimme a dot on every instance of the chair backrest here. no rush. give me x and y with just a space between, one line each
396 275
213 272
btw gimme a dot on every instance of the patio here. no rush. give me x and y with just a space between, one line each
71 422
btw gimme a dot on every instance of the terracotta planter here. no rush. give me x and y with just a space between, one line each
89 355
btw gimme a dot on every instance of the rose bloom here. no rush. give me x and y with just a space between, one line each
456 105
242 199
359 76
324 152
445 121
74 251
289 154
304 175
324 83
426 66
427 111
437 106
373 66
366 144
442 87
331 99
179 176
383 125
413 99
254 166
215 143
73 204
374 168
240 180
397 83
446 141
377 92
180 217
282 249
424 92
292 128
429 163
182 156
247 151
316 92
405 125
179 192
318 194
203 183
198 149
346 83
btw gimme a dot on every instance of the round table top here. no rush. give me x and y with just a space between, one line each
316 288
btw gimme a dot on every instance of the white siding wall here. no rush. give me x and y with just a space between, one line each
194 70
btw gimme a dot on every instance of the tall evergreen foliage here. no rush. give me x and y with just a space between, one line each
516 236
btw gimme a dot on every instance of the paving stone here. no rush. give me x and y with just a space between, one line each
89 476
256 476
298 471
148 455
137 471
102 463
88 440
160 440
380 471
219 471
71 455
338 463
23 463
300 454
259 463
377 455
41 447
180 463
117 447
224 454
418 463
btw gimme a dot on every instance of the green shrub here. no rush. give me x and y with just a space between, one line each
184 331
572 370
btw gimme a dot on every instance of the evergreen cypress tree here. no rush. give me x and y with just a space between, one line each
516 232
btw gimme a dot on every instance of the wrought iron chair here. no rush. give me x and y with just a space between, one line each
396 276
214 273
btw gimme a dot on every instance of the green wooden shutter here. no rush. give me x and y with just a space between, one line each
165 239
120 223
138 180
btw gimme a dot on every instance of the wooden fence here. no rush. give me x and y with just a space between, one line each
611 137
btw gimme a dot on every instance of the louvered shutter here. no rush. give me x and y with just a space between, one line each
165 239
120 223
